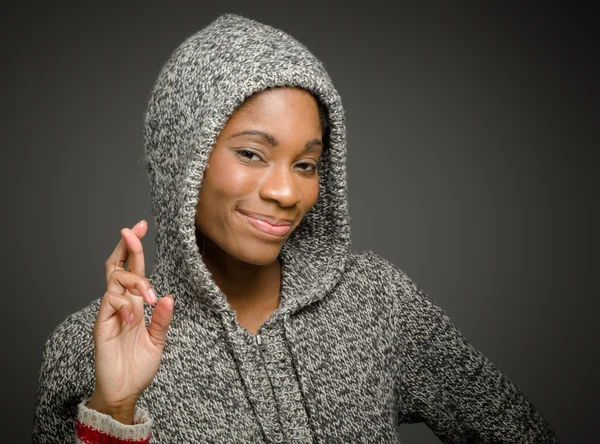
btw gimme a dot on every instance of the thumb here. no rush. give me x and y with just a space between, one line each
161 319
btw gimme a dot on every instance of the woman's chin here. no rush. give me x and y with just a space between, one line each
260 258
251 250
256 251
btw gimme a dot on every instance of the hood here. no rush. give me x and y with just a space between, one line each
202 83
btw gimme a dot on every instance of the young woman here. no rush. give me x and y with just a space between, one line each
258 323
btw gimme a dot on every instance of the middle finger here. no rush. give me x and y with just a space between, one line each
121 281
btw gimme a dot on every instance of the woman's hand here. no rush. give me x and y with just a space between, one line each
127 354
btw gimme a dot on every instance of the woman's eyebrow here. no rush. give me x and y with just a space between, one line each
311 144
269 138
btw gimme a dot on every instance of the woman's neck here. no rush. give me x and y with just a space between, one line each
248 288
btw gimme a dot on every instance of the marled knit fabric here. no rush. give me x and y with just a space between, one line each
96 427
354 349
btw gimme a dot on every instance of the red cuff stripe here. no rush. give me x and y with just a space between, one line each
90 435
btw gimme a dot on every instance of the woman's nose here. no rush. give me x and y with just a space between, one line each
280 186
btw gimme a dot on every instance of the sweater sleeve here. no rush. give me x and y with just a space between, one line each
451 386
94 427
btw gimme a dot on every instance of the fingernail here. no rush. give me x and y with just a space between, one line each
140 223
130 318
152 296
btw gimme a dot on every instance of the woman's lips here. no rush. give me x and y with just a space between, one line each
266 227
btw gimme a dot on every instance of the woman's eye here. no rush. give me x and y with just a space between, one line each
308 167
249 155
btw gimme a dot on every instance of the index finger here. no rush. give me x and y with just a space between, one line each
122 253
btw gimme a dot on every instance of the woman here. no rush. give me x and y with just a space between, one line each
271 329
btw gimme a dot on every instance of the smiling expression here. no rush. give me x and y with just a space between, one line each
262 175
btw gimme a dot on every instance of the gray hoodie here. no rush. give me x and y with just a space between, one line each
355 348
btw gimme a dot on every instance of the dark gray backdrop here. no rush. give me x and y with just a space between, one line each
472 166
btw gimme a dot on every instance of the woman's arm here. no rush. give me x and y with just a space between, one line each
66 377
116 356
451 386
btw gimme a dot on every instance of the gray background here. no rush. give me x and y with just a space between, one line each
472 166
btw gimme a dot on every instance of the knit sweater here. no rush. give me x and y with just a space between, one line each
354 349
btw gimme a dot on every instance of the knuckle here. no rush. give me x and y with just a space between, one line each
132 292
111 264
109 296
118 274
128 279
114 299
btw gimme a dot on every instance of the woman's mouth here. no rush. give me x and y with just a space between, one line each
276 230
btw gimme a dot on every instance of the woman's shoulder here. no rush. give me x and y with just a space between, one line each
384 278
375 270
73 336
69 349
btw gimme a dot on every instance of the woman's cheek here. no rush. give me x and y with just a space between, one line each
311 193
228 178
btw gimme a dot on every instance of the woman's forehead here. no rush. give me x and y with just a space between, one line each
271 105
278 107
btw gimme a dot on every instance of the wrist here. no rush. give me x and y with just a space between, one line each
122 411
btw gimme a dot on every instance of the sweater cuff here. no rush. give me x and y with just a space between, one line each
95 427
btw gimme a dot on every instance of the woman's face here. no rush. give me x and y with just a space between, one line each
262 176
